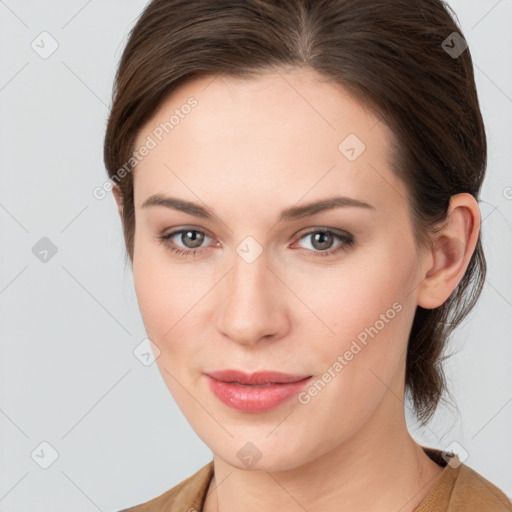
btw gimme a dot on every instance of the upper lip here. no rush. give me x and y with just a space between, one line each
263 377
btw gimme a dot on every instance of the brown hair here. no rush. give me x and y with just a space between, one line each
392 55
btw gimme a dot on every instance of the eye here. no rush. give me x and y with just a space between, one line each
323 240
191 238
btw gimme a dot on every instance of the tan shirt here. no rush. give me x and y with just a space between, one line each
458 489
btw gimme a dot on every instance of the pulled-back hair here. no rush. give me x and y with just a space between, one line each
398 57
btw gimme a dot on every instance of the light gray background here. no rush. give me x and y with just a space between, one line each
69 326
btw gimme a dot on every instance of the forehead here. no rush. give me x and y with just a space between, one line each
275 137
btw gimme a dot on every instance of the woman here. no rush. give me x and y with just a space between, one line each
298 184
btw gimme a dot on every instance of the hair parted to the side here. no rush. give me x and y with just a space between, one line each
388 54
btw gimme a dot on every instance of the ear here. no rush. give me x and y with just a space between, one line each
118 196
451 251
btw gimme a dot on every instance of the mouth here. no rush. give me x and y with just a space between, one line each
255 393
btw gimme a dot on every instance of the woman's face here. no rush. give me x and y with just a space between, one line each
267 291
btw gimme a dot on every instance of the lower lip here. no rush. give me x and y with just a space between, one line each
254 399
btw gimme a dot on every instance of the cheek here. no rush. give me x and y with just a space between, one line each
351 296
158 296
170 298
167 312
160 302
368 308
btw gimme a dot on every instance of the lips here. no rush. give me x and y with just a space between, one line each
257 378
257 392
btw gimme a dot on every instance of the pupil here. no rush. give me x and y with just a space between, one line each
196 237
324 240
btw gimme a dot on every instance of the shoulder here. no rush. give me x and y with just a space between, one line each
187 496
461 489
471 491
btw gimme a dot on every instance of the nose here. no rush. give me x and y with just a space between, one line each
251 303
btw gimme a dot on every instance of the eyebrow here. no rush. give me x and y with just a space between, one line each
295 212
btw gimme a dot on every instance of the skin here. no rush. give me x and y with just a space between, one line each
250 149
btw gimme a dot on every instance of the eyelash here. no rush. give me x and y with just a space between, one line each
347 239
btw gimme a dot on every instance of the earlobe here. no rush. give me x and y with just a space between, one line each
118 196
451 250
